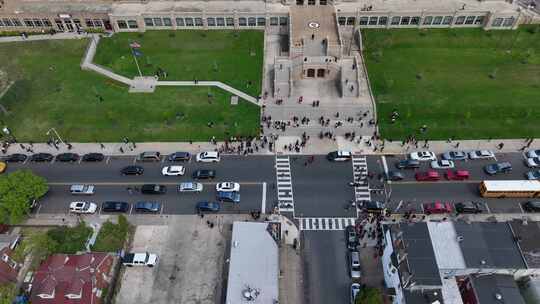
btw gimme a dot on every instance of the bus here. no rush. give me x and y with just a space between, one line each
510 188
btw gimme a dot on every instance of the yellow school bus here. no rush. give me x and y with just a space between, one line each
510 188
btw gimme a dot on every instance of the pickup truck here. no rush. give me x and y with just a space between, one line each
140 259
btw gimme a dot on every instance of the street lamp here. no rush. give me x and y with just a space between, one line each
56 133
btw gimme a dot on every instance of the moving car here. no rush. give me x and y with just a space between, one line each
207 207
442 164
82 189
468 207
481 154
132 170
228 186
204 174
208 157
457 174
15 158
437 208
354 264
179 156
355 291
3 166
455 155
41 157
496 168
93 157
533 162
153 189
147 207
427 176
115 207
140 259
190 187
408 164
173 171
373 206
532 153
339 156
532 206
149 156
395 176
423 155
67 157
82 207
533 175
231 197
351 237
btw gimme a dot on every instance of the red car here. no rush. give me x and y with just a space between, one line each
457 174
437 208
427 176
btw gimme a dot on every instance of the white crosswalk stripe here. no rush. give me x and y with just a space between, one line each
360 172
284 184
325 223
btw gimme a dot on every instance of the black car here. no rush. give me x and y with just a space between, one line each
153 189
207 207
533 206
204 174
351 237
408 164
41 157
67 157
373 207
179 156
468 207
115 207
15 158
147 207
93 157
132 170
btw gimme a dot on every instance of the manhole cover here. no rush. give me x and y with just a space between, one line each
314 24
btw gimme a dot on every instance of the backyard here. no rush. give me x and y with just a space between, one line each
459 83
47 89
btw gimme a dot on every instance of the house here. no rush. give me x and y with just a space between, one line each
9 268
70 279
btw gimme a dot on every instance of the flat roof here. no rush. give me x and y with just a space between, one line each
447 7
319 21
423 296
420 254
505 185
487 287
445 245
258 8
528 240
254 263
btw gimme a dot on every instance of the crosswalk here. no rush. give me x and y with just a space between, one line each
284 184
360 171
325 223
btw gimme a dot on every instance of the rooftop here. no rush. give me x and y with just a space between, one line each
488 288
313 24
430 7
529 242
156 7
423 296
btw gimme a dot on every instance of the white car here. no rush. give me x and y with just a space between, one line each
481 154
355 290
82 207
442 164
208 157
533 162
533 153
423 155
228 187
173 171
190 187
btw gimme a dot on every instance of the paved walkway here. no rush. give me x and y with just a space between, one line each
218 84
57 36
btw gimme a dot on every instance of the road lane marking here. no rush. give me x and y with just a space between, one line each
130 208
385 165
487 208
161 210
325 223
438 182
263 203
108 159
521 208
360 172
80 160
284 183
140 183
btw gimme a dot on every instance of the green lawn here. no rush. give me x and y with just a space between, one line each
112 237
232 57
460 83
51 90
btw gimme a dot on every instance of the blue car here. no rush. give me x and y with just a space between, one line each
207 207
147 207
231 197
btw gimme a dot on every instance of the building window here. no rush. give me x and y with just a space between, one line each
470 19
311 2
7 22
16 22
28 23
189 21
299 2
342 20
121 24
261 21
77 23
437 20
198 22
148 22
405 20
46 22
479 20
427 20
252 21
460 20
211 21
322 2
415 20
167 21
372 20
362 21
98 23
89 22
448 20
220 21
180 22
350 20
509 22
158 22
273 20
497 22
383 20
1 22
132 24
38 22
242 21
230 21
283 21
395 20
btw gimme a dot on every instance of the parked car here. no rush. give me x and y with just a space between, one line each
373 206
132 170
140 259
408 164
82 207
179 156
115 206
532 153
437 208
533 162
173 171
93 157
67 157
208 157
481 154
533 175
457 174
3 166
497 168
395 176
204 174
427 176
354 264
82 189
355 291
228 186
468 207
455 155
442 164
207 207
339 156
532 206
352 237
153 189
190 187
423 155
147 207
15 158
41 157
231 197
152 156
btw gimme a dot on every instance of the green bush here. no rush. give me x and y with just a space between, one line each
69 240
112 237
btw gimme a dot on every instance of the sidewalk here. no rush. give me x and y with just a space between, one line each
57 36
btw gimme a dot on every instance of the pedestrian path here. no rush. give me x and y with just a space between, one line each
325 223
284 184
360 172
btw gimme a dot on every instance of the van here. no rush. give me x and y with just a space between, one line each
354 264
149 156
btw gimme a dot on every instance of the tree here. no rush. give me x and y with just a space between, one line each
7 293
369 295
17 190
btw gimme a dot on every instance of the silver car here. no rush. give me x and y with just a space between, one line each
455 155
481 154
190 187
81 189
354 264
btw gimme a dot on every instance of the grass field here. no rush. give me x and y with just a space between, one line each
232 57
50 90
460 83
